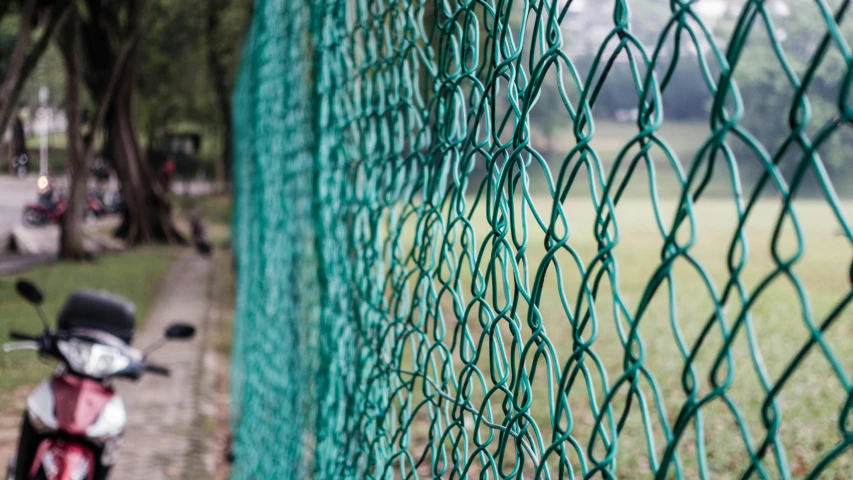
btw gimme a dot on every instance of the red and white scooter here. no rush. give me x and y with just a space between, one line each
74 421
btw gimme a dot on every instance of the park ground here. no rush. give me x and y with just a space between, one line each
780 323
196 420
810 403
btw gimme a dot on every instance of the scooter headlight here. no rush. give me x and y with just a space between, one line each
93 359
76 353
42 183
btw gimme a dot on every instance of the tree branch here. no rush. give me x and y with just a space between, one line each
56 19
16 61
24 59
131 41
107 97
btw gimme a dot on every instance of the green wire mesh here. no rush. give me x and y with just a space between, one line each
430 289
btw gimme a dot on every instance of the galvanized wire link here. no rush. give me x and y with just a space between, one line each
416 301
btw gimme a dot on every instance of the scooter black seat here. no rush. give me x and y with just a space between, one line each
99 311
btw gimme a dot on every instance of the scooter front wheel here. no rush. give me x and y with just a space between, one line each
10 473
33 218
27 447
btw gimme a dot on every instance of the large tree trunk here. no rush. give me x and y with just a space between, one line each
148 215
111 77
71 244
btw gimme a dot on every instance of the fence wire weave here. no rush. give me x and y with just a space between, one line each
429 287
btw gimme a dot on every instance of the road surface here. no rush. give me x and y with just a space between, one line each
14 193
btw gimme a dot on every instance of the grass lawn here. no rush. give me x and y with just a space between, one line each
213 208
809 404
683 138
135 274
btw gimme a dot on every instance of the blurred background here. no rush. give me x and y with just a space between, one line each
118 151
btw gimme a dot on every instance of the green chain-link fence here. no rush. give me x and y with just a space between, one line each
454 261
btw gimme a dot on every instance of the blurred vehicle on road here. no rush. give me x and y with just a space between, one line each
51 205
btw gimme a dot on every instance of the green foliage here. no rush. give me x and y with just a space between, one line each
175 86
49 73
232 26
215 209
47 69
8 29
685 98
173 83
768 84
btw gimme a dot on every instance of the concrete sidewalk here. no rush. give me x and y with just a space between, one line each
40 245
169 435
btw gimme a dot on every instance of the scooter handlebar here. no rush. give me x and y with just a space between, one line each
23 336
157 370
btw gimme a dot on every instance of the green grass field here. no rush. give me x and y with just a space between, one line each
684 138
135 275
810 403
215 209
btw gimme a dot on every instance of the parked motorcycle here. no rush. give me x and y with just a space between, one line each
95 207
74 421
110 200
51 206
38 214
106 185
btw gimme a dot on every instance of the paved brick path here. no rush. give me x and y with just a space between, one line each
169 418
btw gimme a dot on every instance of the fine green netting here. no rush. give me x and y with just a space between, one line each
454 261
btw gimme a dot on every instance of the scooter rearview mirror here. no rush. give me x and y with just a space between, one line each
29 291
180 331
175 331
32 294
